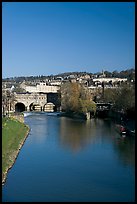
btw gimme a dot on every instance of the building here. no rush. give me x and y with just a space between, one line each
41 87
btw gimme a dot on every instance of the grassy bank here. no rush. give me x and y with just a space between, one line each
14 134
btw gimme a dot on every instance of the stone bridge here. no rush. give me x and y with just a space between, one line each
37 102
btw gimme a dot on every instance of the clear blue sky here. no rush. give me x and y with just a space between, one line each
40 38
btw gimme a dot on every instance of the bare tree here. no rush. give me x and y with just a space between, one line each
8 101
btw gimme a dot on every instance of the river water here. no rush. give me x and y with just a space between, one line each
72 160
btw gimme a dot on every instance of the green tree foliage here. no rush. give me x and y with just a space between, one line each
76 98
108 74
123 98
87 106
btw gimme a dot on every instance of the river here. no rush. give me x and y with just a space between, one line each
72 160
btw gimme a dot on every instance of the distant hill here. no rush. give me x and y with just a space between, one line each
129 74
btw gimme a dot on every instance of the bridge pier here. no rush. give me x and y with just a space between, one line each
27 108
38 101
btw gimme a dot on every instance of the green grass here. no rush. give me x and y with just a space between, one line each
13 133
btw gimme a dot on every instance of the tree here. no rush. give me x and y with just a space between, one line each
108 74
70 94
19 90
115 73
8 99
122 98
126 98
76 98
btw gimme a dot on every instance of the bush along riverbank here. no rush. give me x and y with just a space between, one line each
75 115
14 134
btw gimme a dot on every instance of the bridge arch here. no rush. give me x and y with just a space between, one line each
49 107
31 107
19 107
35 107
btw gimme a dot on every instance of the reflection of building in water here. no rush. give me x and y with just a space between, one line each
76 134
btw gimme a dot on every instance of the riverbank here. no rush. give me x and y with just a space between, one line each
78 156
73 115
122 119
117 117
14 134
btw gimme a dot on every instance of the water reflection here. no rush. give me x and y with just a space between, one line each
46 171
125 149
76 134
38 128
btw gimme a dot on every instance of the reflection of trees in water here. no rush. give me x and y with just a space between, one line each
76 134
125 148
105 129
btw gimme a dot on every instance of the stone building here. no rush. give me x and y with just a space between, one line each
41 87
